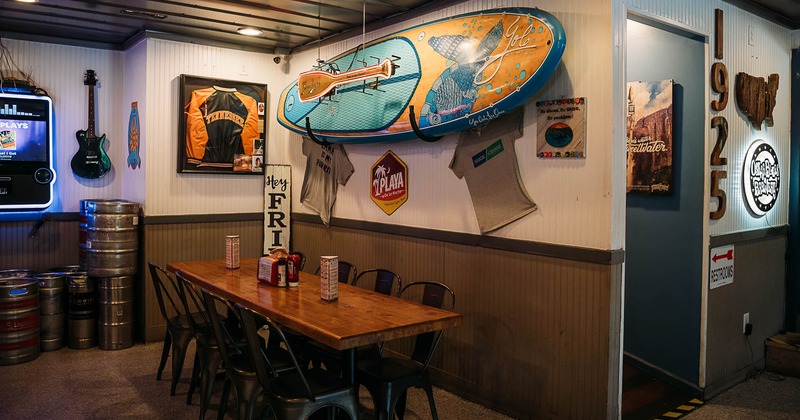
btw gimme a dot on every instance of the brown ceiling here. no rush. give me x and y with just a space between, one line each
287 25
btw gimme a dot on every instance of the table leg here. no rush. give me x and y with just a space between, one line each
349 366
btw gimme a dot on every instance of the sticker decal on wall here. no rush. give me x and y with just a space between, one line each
761 178
561 128
134 139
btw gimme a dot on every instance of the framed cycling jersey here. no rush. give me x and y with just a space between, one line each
222 126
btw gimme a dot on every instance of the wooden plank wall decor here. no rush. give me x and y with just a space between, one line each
756 97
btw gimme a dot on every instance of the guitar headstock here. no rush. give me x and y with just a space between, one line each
90 78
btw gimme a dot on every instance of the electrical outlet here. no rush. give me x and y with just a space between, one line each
745 321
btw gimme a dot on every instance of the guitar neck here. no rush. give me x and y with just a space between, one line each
90 129
318 83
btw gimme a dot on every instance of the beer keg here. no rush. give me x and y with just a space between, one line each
82 312
115 322
19 320
52 309
111 238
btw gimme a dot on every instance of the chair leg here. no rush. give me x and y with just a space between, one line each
178 355
429 390
194 380
164 355
400 405
208 374
223 402
246 395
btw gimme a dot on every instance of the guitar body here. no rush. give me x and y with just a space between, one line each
91 160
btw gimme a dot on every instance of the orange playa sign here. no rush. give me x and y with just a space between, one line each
389 189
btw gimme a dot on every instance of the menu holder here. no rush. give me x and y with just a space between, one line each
329 277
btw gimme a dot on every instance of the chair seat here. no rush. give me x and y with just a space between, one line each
388 369
290 386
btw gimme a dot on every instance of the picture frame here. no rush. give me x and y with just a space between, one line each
222 126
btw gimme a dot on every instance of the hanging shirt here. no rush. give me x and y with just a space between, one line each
486 158
326 168
220 123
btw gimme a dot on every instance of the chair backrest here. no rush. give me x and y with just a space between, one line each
225 338
379 280
437 295
347 272
263 366
166 286
193 303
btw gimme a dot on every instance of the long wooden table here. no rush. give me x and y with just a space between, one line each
358 317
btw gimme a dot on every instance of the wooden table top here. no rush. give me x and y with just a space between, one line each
357 318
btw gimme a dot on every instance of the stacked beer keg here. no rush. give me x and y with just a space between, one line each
111 249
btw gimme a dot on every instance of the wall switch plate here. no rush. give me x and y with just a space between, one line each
745 321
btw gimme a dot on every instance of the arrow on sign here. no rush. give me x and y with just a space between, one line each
728 256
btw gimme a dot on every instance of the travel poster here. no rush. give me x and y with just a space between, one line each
649 138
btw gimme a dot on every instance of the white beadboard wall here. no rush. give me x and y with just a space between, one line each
771 53
133 90
60 69
574 197
170 193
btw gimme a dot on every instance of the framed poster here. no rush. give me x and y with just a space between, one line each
561 128
649 138
221 126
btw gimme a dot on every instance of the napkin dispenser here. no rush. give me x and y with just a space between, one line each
268 270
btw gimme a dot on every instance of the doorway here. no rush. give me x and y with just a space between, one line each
664 243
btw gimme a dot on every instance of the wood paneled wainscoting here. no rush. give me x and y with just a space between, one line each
541 329
541 332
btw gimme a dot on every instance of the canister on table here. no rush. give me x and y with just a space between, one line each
282 272
232 251
329 277
292 264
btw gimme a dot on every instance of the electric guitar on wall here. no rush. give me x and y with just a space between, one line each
91 160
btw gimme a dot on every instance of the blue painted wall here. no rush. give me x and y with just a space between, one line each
663 243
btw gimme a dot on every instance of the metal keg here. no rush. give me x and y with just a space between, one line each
19 320
52 309
82 311
112 239
82 235
16 272
65 269
115 323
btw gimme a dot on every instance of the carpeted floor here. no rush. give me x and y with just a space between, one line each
98 384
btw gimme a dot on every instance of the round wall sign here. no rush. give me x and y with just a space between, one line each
761 177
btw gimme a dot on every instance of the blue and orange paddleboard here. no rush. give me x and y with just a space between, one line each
454 73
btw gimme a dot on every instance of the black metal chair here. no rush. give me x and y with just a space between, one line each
208 359
238 364
388 378
295 394
179 334
380 280
347 272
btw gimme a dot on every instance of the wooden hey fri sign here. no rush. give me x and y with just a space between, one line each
277 206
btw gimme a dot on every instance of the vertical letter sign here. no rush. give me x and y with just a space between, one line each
389 177
277 206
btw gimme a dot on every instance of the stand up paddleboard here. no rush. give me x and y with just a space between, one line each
444 76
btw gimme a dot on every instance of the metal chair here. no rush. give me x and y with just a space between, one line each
388 378
295 394
179 333
208 359
238 364
380 280
347 272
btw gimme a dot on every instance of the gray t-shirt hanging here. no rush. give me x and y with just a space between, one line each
326 168
487 159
